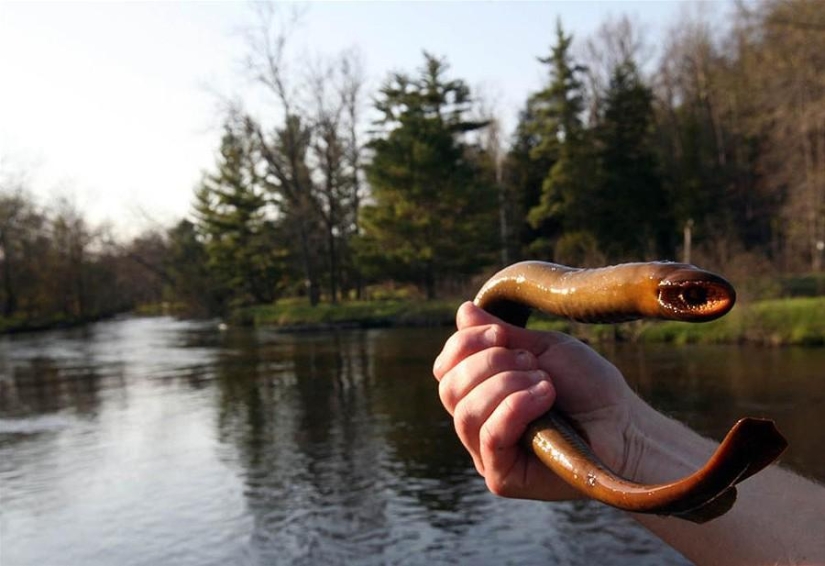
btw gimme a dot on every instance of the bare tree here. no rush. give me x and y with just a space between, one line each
312 155
617 41
788 66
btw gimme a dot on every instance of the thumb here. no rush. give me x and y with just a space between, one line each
470 315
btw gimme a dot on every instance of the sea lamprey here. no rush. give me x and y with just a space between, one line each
656 290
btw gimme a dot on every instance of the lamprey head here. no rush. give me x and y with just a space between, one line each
695 295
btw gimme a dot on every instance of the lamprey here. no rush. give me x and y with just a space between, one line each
660 290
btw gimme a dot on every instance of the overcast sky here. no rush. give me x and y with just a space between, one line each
116 105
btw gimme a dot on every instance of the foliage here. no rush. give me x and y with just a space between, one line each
561 141
54 267
721 147
241 242
629 212
432 209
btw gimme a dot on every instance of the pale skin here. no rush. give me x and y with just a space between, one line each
495 378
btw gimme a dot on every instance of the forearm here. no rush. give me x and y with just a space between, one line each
779 517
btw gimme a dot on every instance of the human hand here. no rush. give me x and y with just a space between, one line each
495 378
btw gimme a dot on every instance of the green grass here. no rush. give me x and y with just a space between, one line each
294 313
789 321
796 321
799 321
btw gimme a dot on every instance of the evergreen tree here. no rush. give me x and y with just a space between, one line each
244 257
433 216
630 214
524 172
187 268
562 210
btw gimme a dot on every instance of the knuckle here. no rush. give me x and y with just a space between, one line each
497 484
447 394
495 335
497 359
465 421
490 438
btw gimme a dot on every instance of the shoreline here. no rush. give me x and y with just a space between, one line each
777 322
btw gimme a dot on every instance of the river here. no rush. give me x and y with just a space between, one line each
146 441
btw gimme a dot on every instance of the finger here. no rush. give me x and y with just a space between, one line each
500 434
466 342
510 469
477 368
470 315
530 389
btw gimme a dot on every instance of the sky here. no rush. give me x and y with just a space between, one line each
117 106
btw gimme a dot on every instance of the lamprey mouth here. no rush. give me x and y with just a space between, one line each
694 295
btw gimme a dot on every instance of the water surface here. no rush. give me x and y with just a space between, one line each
155 441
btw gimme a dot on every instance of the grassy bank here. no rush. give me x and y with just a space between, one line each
780 321
297 314
798 321
790 321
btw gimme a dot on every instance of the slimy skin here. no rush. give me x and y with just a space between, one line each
664 290
660 290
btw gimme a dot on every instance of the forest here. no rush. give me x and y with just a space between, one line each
714 154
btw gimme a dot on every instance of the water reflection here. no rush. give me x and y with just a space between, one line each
146 441
710 387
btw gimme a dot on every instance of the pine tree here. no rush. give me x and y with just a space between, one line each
630 214
433 216
244 254
563 142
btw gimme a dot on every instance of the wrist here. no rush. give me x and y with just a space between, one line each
659 449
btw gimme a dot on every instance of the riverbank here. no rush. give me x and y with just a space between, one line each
790 321
775 322
798 321
293 314
18 324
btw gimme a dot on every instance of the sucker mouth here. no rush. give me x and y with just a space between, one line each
696 295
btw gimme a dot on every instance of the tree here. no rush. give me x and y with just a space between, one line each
781 50
524 170
22 237
432 216
54 266
629 212
312 154
562 141
187 266
231 207
336 160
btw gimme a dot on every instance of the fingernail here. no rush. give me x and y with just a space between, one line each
524 360
491 336
542 387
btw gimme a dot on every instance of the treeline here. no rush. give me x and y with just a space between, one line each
55 268
715 154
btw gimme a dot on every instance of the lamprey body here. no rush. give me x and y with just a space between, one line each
662 290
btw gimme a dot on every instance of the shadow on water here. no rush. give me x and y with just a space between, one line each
145 441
